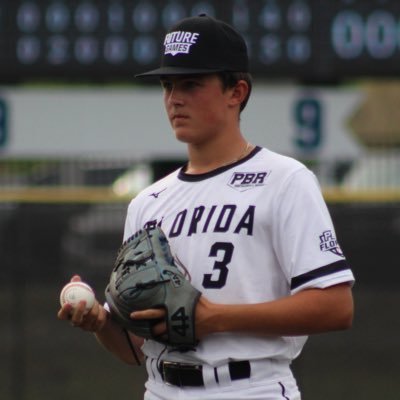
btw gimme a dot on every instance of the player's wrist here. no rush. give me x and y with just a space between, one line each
210 317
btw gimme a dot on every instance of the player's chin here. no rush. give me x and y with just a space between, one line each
190 135
184 135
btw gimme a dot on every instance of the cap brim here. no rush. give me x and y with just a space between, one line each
163 71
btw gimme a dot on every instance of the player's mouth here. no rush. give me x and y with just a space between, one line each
178 118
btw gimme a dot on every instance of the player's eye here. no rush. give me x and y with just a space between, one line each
166 85
190 84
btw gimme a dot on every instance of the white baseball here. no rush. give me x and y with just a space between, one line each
75 292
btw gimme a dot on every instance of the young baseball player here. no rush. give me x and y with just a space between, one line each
250 226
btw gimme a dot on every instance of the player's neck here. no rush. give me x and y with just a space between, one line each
206 158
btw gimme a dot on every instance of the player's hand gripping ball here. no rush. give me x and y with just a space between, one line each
74 292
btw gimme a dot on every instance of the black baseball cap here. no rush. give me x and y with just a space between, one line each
200 45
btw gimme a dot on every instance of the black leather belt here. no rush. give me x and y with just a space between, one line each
181 374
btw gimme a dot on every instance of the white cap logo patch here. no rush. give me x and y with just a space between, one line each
179 42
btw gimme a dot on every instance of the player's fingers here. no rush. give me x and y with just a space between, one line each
78 313
160 329
95 320
100 320
151 313
64 312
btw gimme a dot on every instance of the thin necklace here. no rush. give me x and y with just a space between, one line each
242 154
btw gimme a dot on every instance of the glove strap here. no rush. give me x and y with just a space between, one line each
131 346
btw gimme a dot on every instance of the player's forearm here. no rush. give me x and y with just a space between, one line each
114 339
310 311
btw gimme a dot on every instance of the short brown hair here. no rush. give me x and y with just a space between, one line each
230 79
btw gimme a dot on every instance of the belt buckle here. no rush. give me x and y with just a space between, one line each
163 365
177 366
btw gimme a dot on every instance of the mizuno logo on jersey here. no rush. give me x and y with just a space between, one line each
156 194
242 181
328 242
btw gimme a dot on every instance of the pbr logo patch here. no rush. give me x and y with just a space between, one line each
328 242
242 181
179 42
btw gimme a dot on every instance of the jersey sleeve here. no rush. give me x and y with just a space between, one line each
131 220
306 243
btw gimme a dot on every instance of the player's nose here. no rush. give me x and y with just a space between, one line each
175 99
174 96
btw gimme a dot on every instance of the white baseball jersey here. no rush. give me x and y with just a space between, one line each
250 232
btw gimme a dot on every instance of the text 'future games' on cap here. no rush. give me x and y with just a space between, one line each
199 45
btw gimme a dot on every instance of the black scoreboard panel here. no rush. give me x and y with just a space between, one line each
111 40
358 38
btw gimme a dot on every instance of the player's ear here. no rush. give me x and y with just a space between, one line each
239 92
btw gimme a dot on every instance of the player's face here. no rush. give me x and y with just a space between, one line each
196 106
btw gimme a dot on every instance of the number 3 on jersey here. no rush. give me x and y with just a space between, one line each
218 279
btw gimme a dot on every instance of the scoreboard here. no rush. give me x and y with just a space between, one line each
111 40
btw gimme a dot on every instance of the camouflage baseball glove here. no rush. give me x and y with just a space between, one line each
145 276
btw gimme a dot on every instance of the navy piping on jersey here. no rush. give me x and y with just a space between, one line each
329 269
283 391
199 177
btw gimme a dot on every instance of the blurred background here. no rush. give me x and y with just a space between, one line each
79 137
